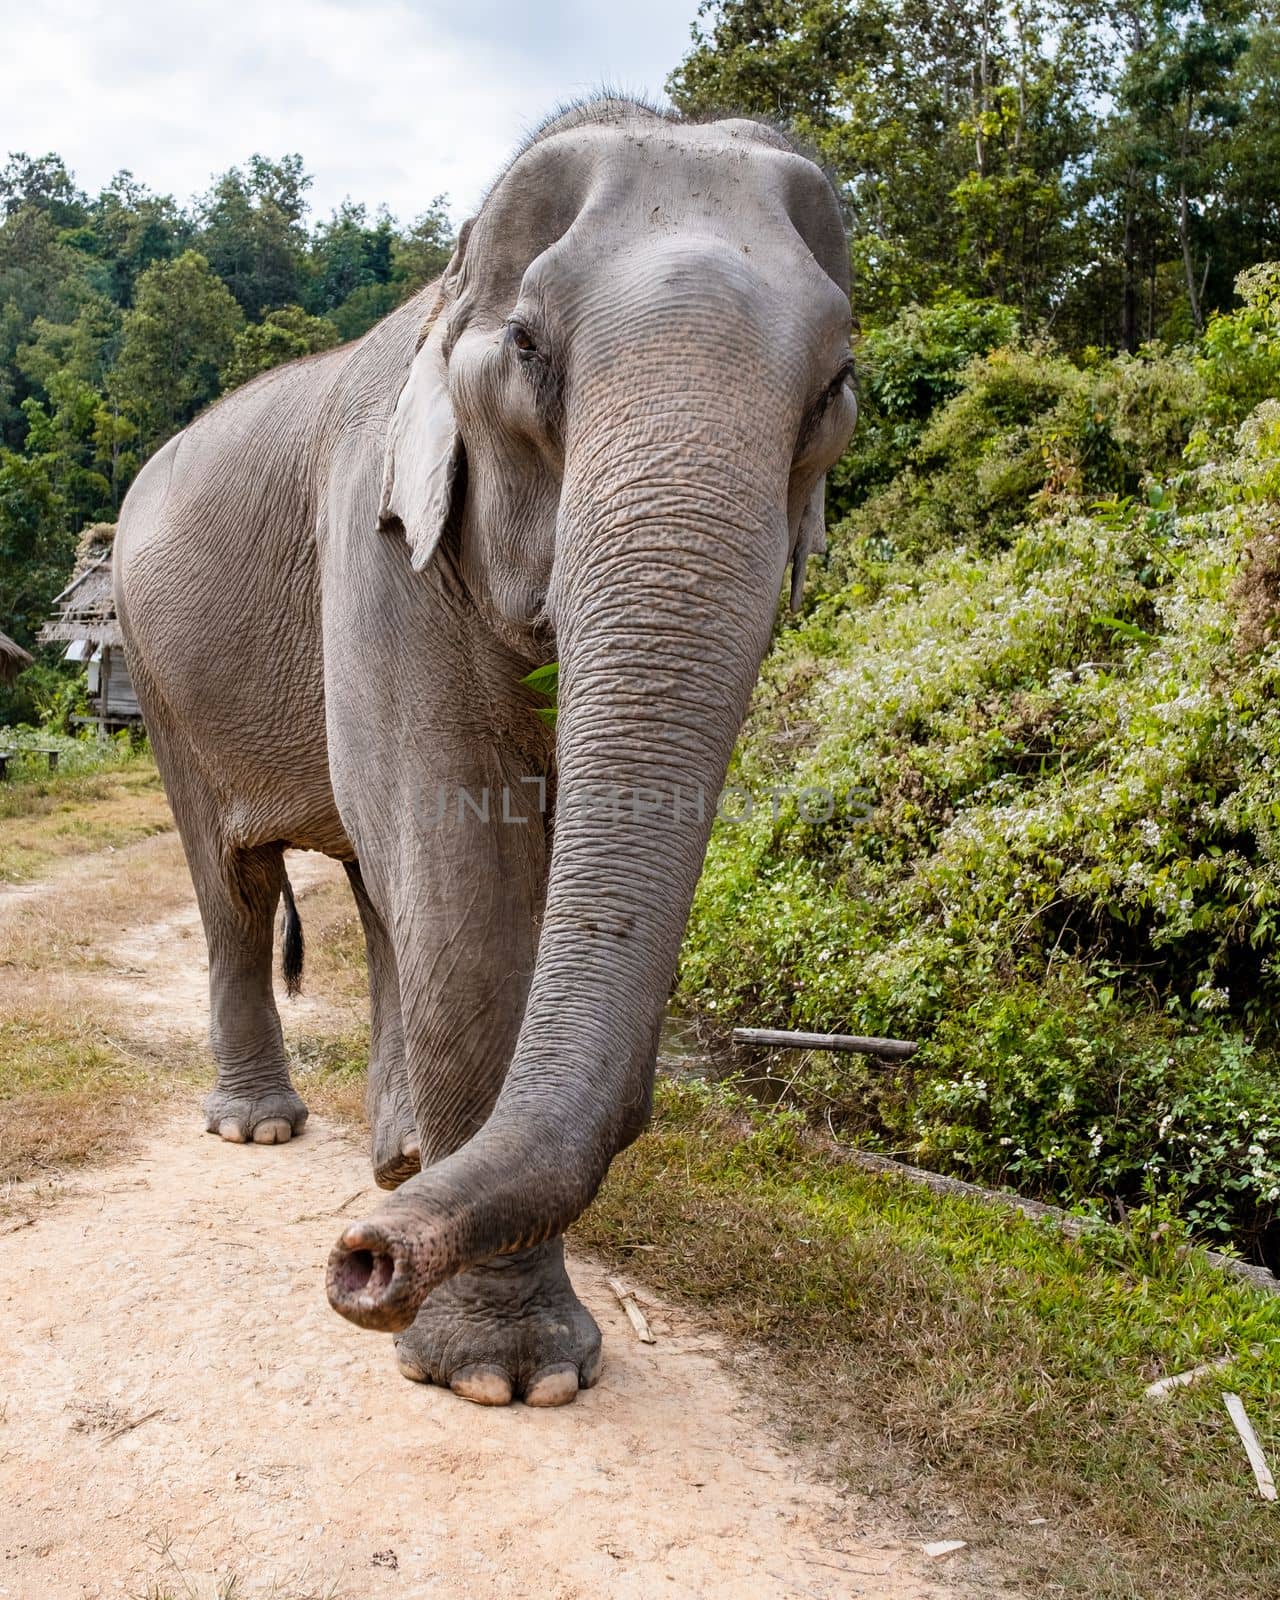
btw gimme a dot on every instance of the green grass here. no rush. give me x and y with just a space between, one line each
963 1357
46 816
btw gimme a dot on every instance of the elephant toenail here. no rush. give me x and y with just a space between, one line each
409 1368
553 1386
485 1386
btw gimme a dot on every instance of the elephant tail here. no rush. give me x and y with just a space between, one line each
294 946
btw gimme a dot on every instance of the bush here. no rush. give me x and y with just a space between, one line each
1048 648
907 368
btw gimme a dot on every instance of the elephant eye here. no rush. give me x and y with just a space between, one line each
845 375
522 339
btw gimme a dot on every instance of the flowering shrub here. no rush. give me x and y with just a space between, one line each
1069 888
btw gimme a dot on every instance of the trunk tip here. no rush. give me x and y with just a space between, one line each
375 1277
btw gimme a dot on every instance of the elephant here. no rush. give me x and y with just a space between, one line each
599 439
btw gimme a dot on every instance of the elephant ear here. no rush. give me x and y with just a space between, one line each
423 455
811 537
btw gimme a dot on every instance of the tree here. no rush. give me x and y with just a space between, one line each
422 253
280 336
42 182
1177 93
954 131
252 234
176 341
128 228
36 544
348 254
365 272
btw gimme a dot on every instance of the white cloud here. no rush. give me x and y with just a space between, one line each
393 100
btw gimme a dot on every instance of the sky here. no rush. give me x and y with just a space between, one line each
386 100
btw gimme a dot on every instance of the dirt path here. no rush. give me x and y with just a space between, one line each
183 1416
160 968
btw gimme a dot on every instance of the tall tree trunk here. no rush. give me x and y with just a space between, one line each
1129 296
1188 265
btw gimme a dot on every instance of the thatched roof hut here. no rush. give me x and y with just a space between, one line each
86 621
12 659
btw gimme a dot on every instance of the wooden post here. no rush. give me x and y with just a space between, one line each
784 1039
104 683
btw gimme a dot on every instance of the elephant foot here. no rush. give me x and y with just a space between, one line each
272 1116
512 1328
397 1154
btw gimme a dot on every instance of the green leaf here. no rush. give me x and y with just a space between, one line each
1125 630
544 680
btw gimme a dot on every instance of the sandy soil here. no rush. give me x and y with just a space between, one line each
183 1416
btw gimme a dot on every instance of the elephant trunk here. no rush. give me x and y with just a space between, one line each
664 591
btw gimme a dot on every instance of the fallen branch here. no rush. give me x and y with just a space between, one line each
785 1039
1252 1448
1182 1380
129 1426
635 1316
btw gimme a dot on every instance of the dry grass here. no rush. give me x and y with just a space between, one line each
73 920
59 816
329 1073
75 1088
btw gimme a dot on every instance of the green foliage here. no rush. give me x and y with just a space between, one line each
280 336
122 315
252 232
1057 675
1240 355
1104 172
177 338
906 367
36 545
545 682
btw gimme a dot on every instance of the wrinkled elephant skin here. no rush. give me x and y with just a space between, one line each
600 439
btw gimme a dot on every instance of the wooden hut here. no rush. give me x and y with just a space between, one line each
86 622
12 659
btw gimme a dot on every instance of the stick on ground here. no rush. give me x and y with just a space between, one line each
784 1039
1252 1448
635 1316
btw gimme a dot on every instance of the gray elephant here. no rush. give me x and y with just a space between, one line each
600 438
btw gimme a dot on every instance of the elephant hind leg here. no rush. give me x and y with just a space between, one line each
253 1098
396 1149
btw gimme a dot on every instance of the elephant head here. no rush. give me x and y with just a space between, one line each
618 425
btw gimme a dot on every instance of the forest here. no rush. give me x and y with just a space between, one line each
1044 636
123 314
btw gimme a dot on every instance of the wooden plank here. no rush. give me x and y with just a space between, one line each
785 1039
1183 1380
1252 1448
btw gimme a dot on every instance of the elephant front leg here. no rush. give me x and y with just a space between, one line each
511 1327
